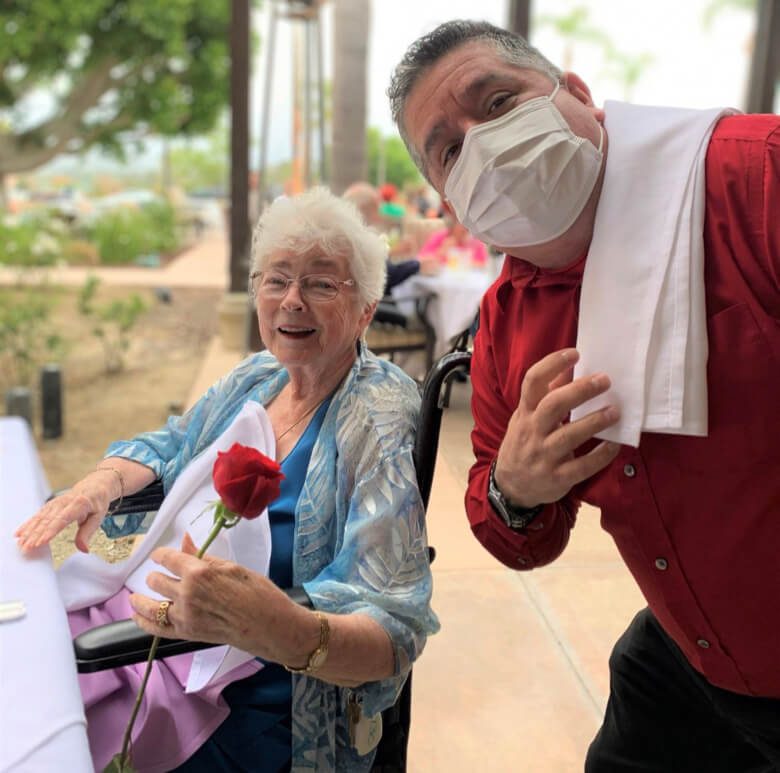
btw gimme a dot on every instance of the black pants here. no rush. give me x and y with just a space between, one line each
662 716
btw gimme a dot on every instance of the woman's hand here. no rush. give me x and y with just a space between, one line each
221 602
85 504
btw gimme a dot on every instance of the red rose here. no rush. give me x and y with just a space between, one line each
246 480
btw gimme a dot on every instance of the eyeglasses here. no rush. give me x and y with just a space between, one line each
314 287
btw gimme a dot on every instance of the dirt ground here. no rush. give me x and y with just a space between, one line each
168 343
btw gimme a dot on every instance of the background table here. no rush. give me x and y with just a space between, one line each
42 724
455 303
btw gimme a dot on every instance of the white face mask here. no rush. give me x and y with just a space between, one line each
523 178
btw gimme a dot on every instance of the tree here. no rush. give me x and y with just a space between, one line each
573 27
351 21
399 168
115 69
202 163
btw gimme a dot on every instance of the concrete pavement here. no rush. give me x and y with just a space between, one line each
203 265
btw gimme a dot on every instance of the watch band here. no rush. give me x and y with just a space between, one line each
516 518
320 655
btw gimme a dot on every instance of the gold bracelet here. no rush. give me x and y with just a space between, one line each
121 487
320 655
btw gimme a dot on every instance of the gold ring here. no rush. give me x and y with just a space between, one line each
162 614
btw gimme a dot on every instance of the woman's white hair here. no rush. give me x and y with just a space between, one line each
317 218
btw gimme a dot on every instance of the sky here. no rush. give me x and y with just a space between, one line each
689 63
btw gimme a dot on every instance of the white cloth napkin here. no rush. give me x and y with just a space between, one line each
642 315
42 722
85 579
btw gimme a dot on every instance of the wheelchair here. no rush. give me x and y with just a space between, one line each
122 643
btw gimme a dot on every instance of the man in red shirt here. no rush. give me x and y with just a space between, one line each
519 151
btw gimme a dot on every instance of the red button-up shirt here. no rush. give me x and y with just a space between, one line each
697 520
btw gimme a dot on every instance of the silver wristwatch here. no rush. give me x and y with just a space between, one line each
516 518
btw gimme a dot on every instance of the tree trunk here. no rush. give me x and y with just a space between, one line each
351 23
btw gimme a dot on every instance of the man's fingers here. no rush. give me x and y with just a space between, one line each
556 406
583 467
569 437
538 377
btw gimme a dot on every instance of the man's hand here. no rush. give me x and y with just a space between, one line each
536 462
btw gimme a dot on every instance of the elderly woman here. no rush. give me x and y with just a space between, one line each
348 526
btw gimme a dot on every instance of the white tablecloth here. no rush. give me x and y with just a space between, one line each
456 301
42 724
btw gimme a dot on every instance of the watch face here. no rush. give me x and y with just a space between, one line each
318 658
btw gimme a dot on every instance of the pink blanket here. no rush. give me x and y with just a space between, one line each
171 725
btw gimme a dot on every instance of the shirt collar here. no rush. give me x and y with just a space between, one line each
523 274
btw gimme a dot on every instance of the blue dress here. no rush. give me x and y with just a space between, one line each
256 736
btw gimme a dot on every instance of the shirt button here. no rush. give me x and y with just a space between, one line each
629 470
522 561
661 563
703 643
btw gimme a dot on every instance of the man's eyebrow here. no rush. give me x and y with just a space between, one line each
470 93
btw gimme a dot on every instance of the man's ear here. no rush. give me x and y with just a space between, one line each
580 91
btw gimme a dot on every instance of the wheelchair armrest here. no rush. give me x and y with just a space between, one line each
123 642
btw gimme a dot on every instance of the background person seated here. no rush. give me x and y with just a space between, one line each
348 527
369 201
454 246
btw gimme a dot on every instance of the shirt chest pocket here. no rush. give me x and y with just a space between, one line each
742 381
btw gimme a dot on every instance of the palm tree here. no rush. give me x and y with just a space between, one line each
573 27
351 24
627 68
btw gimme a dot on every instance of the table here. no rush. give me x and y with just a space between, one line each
455 301
42 723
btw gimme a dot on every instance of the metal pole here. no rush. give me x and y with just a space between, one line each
307 111
239 144
519 17
321 98
765 64
51 401
262 171
18 402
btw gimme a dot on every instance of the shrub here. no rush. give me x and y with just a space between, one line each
112 322
27 338
121 236
30 240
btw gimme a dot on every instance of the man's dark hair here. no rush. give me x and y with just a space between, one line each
430 48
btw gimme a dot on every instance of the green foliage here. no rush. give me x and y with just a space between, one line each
112 322
625 67
398 166
27 338
715 7
123 235
205 165
112 66
31 240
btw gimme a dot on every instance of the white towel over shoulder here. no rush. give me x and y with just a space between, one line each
642 315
